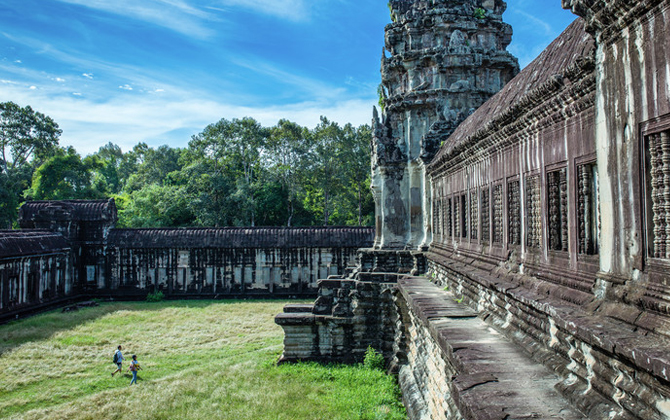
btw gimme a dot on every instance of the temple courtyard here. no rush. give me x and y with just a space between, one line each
200 360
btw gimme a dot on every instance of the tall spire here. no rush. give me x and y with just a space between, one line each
442 60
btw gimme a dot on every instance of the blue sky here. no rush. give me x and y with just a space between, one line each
159 71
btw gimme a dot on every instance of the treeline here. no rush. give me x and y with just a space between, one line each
234 173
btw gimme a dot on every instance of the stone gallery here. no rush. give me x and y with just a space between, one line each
70 250
522 246
518 266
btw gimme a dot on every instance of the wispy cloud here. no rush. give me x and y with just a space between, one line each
190 18
175 15
169 118
537 23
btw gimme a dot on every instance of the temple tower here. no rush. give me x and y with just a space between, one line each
442 60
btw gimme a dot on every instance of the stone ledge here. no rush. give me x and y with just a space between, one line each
494 378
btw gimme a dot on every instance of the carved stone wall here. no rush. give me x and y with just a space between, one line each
80 255
35 270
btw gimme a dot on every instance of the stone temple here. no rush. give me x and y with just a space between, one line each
519 264
522 249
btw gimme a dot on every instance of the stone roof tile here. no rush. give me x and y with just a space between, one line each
243 237
18 243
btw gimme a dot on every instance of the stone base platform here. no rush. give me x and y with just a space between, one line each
460 367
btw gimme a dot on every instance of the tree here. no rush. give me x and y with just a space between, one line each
26 139
327 167
235 147
288 147
64 176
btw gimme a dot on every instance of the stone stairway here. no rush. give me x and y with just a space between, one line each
485 376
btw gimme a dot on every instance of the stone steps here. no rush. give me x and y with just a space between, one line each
494 378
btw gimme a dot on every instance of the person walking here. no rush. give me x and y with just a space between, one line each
118 359
134 367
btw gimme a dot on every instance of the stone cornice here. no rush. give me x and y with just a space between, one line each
607 19
542 107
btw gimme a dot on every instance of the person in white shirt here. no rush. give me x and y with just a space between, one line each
118 359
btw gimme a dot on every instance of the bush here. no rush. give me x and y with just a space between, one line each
373 359
155 296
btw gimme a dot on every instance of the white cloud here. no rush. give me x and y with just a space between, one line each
32 87
60 80
295 10
88 75
170 118
76 93
126 87
18 61
175 15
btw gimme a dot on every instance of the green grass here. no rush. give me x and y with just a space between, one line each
201 360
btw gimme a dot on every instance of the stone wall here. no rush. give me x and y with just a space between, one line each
79 254
229 261
35 270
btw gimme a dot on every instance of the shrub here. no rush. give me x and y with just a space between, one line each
373 359
480 13
155 296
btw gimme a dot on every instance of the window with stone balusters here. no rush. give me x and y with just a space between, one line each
463 219
657 171
448 216
474 214
498 214
514 213
557 209
533 216
485 209
437 203
588 209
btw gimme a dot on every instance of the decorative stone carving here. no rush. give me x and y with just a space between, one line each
557 209
498 214
534 235
514 212
486 220
443 62
587 211
658 145
474 215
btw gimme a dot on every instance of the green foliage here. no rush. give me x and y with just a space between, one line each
64 176
381 98
156 296
479 13
234 173
27 138
373 359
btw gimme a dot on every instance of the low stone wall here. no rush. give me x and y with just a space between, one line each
611 367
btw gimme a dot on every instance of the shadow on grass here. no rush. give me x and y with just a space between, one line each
44 326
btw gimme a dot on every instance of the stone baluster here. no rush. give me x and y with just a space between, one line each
563 187
665 198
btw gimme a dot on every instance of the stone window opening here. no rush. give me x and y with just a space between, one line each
657 189
464 215
498 214
533 215
474 215
485 215
448 217
457 217
588 208
557 209
514 212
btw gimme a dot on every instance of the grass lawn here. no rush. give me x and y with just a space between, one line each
201 360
